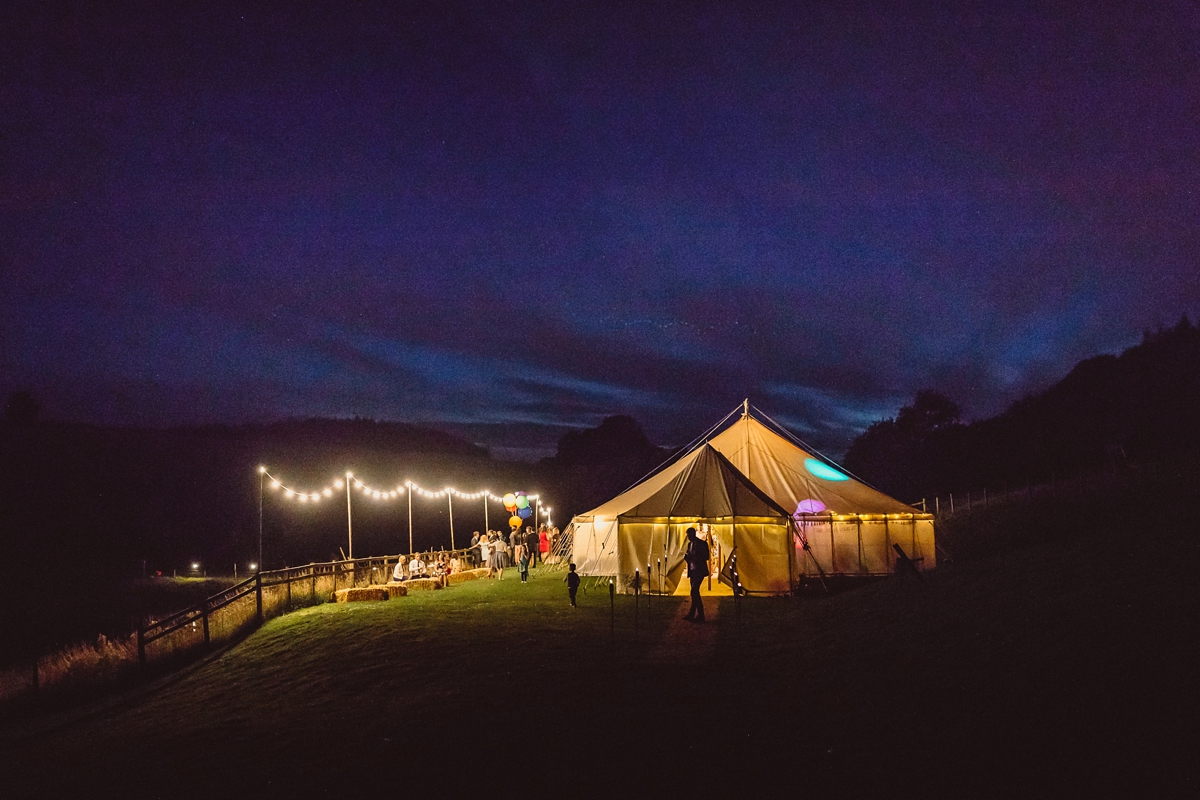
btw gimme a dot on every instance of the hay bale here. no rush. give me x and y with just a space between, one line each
462 577
361 594
396 589
481 572
423 584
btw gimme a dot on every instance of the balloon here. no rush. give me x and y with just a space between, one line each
514 522
510 499
524 512
522 501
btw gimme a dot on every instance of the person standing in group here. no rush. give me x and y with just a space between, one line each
698 568
531 542
572 580
475 547
543 544
497 565
485 554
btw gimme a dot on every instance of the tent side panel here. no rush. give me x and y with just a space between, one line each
762 556
820 547
847 548
654 544
877 537
595 547
923 543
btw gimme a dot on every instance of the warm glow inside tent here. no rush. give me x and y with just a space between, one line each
788 513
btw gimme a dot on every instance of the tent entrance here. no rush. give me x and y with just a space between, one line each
711 587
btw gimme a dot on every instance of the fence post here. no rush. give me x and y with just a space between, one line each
204 613
952 502
313 569
258 595
141 646
289 590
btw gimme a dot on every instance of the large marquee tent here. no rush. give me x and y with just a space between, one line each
786 513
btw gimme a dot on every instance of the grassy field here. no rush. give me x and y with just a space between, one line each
1052 658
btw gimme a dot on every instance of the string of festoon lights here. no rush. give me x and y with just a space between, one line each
377 493
383 494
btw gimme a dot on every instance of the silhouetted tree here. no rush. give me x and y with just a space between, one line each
594 465
897 454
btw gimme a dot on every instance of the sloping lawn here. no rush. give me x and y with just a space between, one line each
1053 667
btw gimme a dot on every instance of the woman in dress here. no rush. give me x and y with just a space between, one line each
497 565
485 553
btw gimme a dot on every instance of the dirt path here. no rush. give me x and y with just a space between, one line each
686 642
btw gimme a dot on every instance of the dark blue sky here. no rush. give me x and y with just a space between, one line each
512 219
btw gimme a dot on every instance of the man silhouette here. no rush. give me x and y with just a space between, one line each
698 569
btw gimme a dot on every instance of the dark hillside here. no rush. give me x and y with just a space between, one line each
87 509
1053 658
1109 412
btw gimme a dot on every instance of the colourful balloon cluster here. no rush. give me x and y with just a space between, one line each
517 504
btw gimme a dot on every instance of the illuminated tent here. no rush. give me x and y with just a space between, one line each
788 513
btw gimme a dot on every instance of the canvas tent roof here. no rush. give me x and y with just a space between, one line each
790 475
703 483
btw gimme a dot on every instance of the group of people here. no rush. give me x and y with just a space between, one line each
520 549
524 549
433 565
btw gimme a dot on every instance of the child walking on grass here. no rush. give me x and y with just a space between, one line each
572 580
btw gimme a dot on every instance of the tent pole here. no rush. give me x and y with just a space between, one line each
793 571
887 540
860 558
832 561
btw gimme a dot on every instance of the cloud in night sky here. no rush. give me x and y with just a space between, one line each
512 221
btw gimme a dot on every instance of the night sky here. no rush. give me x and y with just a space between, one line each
508 220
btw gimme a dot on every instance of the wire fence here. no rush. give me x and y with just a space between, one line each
1072 485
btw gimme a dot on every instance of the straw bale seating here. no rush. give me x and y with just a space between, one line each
463 577
481 572
360 594
395 589
422 584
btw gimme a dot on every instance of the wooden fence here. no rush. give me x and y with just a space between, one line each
268 594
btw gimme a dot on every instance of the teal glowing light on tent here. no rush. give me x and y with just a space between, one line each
823 471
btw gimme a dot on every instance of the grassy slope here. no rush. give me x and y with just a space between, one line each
1050 658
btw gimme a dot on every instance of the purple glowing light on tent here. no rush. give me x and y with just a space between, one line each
809 507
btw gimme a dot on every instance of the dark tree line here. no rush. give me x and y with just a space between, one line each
594 465
1110 412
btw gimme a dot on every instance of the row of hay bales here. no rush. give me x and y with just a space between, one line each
392 590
